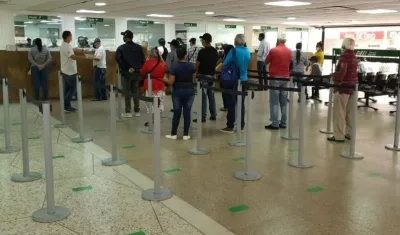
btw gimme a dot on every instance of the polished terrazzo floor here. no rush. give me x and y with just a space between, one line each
336 196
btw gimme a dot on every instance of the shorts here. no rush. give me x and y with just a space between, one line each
160 94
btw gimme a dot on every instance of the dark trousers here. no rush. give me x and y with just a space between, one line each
69 89
100 79
40 78
182 99
221 85
262 72
130 84
231 101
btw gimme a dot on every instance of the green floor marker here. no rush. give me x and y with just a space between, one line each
129 147
173 170
100 130
238 208
79 189
374 174
238 159
34 138
58 156
16 123
137 233
293 150
315 189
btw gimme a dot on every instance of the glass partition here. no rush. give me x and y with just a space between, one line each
271 35
145 30
226 34
187 31
295 35
87 29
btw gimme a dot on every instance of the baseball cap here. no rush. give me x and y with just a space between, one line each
174 43
206 37
127 34
96 40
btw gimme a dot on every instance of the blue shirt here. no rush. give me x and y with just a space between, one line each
242 60
183 72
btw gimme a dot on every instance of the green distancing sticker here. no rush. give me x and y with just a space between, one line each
16 124
293 150
238 208
129 147
58 156
374 174
34 138
100 130
173 170
79 189
137 233
238 159
316 189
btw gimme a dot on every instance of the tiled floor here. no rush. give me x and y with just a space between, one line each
337 196
110 202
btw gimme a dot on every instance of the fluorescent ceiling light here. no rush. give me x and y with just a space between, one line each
80 18
287 3
291 18
59 16
46 21
106 25
294 23
85 28
28 22
53 23
160 15
233 20
209 13
90 11
376 11
100 4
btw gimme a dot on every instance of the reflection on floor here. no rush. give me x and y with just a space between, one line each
101 200
336 196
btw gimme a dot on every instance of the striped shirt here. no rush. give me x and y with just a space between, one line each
303 62
38 58
192 54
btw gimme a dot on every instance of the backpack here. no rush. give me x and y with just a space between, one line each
231 70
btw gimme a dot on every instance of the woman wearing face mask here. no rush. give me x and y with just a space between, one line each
319 54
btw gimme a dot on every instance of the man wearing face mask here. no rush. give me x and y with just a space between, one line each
263 50
99 64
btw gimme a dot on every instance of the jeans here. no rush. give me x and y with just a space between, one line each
206 92
69 89
231 101
299 77
182 100
40 78
262 72
99 79
221 85
130 85
278 98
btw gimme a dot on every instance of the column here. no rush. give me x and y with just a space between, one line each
169 32
248 35
121 25
68 24
212 29
7 34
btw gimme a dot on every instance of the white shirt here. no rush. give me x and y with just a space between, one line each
263 50
100 53
161 50
68 65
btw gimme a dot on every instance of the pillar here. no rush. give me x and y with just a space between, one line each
121 25
169 32
7 34
68 24
248 35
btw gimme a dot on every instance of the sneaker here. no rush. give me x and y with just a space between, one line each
69 110
186 137
213 118
202 120
126 115
171 137
271 127
347 137
227 130
146 124
282 126
333 139
137 115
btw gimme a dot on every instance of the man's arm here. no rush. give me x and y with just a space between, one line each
228 58
269 57
142 57
118 56
30 58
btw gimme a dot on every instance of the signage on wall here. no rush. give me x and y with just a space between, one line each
296 29
37 17
269 29
363 35
94 20
145 22
393 34
371 52
230 26
190 24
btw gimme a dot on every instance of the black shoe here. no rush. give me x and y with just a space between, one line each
227 130
271 127
347 137
172 110
213 118
202 120
146 124
223 109
282 126
333 139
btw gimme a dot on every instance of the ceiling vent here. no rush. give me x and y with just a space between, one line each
337 8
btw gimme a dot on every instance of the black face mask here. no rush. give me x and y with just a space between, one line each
124 39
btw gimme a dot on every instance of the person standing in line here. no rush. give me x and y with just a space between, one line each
320 60
100 69
346 75
69 68
162 49
146 51
220 62
205 65
263 50
279 60
172 59
300 62
130 59
40 57
193 51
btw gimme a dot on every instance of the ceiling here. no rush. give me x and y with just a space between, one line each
319 13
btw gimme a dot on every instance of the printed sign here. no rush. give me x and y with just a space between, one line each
393 34
269 29
296 29
145 22
37 17
363 35
94 20
190 24
227 26
371 52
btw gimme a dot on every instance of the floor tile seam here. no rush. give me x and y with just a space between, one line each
67 227
122 184
15 157
158 220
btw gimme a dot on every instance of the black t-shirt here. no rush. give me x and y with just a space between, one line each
208 58
183 72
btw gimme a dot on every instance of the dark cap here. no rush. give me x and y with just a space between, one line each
174 43
96 40
192 40
127 34
206 37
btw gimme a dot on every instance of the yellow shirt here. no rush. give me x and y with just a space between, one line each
320 57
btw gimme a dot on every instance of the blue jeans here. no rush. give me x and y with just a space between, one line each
206 92
100 79
231 101
278 98
182 99
69 89
40 78
262 72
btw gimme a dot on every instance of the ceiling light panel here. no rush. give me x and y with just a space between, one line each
90 11
160 15
376 11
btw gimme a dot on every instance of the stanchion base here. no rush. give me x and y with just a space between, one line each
391 147
83 139
201 151
237 143
61 125
297 164
151 195
324 131
247 176
357 156
20 178
289 137
114 162
42 216
10 149
148 131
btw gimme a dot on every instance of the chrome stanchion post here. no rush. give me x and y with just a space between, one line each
61 96
81 138
395 147
238 142
7 127
51 213
114 160
328 129
26 175
157 193
198 150
290 125
149 129
299 162
352 151
119 99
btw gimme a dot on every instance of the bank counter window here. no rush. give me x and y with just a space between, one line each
271 35
29 27
226 33
186 31
295 35
146 31
87 29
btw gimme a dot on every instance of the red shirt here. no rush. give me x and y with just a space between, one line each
351 77
157 75
279 61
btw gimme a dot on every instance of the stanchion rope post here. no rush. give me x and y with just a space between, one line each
238 142
119 98
289 135
395 147
149 129
328 129
81 138
61 95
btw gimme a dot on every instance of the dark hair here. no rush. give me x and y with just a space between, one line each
319 44
161 41
299 45
38 43
227 49
66 34
181 52
313 59
261 35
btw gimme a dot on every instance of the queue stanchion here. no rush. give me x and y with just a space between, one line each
289 135
352 154
61 96
51 212
114 160
81 138
238 142
119 98
395 146
7 127
300 162
246 174
149 130
328 129
157 193
199 150
26 175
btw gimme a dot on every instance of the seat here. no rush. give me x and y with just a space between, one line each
368 86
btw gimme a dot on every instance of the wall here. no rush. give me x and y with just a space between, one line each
150 33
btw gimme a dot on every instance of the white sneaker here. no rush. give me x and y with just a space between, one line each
186 137
126 115
171 137
137 114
